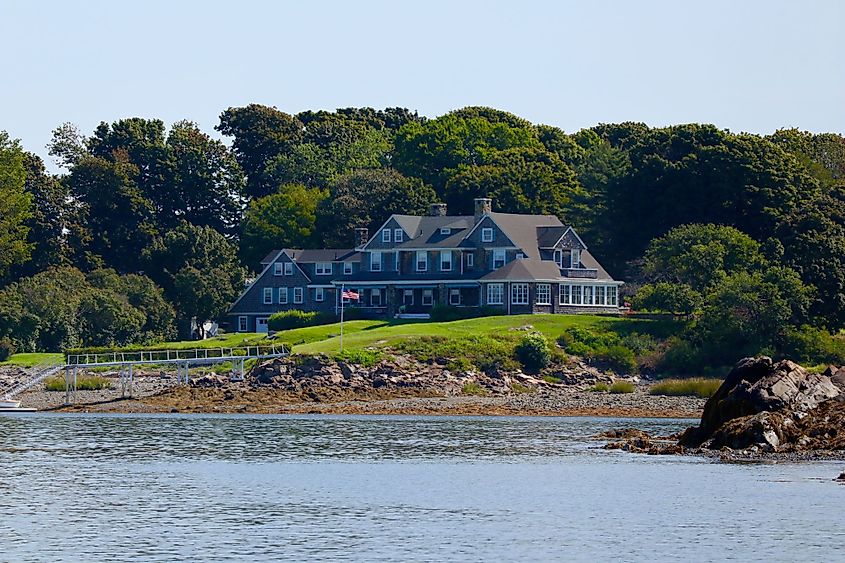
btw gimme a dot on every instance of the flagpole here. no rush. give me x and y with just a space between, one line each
342 289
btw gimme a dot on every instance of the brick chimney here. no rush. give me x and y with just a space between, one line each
437 209
483 206
362 236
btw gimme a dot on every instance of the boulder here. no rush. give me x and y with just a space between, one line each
742 411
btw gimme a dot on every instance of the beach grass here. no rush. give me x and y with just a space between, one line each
600 387
692 387
473 388
619 387
83 383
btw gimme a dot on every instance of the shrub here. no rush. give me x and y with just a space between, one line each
639 344
813 345
362 357
485 352
619 358
521 389
83 383
533 352
286 320
473 388
600 387
551 379
622 387
7 348
692 387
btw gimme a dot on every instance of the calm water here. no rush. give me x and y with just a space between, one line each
186 488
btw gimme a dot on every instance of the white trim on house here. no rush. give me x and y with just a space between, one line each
243 323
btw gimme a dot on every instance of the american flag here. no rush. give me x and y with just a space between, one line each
349 294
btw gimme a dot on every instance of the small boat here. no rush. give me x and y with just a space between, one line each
9 404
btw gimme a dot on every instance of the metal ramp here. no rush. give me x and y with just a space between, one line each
33 377
125 362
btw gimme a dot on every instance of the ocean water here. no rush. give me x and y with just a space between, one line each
246 488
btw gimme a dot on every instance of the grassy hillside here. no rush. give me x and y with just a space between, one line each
387 333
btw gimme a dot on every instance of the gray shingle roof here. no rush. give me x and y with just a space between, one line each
588 261
270 257
312 255
426 230
547 237
525 269
522 229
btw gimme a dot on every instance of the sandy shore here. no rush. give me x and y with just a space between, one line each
154 395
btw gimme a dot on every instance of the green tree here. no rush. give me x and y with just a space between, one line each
206 182
200 254
260 133
285 219
107 319
668 297
434 150
520 180
52 219
701 255
15 205
116 221
366 198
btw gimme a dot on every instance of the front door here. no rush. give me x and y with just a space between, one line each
261 325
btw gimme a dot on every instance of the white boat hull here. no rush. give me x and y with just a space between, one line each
9 404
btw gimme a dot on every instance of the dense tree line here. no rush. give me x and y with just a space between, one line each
691 214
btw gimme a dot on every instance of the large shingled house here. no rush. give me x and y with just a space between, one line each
515 263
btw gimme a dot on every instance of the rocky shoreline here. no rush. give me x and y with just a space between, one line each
397 385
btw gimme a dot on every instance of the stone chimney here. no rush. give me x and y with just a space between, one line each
362 236
483 206
437 209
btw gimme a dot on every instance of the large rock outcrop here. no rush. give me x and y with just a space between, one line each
775 406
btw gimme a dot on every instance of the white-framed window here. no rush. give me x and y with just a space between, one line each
559 258
385 235
375 261
375 297
498 258
519 294
470 259
319 294
575 258
323 268
520 255
544 294
454 297
565 294
427 297
611 295
243 324
268 295
408 297
347 268
445 260
422 260
588 295
599 295
277 269
495 293
283 296
486 234
576 295
398 235
445 231
297 295
288 268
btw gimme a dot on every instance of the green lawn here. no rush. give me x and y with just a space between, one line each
387 333
28 360
362 334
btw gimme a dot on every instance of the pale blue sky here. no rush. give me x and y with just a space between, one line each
744 65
